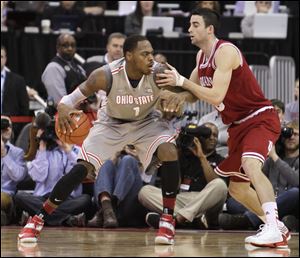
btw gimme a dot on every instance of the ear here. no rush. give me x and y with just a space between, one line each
129 56
211 29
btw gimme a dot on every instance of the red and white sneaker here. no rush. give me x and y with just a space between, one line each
31 231
285 232
268 236
283 229
166 232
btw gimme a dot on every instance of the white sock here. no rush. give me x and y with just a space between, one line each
270 210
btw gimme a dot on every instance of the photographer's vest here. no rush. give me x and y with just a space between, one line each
126 102
74 75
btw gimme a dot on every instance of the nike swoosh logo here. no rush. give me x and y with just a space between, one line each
169 193
57 200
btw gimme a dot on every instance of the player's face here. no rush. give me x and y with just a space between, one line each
197 31
143 57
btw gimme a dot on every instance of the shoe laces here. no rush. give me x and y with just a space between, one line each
262 229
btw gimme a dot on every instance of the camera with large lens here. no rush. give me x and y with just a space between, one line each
49 136
286 133
187 134
4 123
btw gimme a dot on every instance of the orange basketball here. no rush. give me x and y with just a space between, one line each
78 134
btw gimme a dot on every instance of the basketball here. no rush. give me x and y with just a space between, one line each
79 134
159 68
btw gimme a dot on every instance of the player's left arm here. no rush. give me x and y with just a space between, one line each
226 59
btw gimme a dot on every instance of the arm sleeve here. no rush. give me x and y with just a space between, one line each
39 167
16 165
289 173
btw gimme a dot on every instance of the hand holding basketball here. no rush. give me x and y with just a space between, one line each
170 77
65 121
80 129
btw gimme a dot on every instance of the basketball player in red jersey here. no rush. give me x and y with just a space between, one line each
223 78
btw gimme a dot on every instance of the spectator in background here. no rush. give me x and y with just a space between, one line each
292 108
215 117
92 7
280 109
202 194
14 98
13 170
283 173
116 191
248 21
245 8
133 22
53 160
65 16
114 48
63 74
213 5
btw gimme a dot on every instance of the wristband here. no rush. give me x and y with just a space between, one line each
73 98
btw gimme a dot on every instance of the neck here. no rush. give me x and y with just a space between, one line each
207 46
132 73
208 153
147 13
109 58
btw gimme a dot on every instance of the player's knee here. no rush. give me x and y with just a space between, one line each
238 190
167 152
89 168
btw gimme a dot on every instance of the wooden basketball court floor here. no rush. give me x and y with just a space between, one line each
128 242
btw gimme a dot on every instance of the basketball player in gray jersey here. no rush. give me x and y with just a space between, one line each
129 117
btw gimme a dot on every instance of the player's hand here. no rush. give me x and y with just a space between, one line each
273 155
170 78
171 102
65 120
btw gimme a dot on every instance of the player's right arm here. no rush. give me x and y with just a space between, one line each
66 107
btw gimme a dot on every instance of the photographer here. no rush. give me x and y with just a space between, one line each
53 160
13 170
282 169
202 193
116 190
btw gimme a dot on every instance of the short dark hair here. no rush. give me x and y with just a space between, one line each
61 37
210 17
117 35
131 43
278 103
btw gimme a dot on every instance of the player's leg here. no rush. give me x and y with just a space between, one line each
170 179
243 193
273 233
59 194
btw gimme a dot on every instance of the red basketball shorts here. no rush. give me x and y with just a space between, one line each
252 138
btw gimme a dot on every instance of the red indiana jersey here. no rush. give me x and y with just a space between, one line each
244 95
